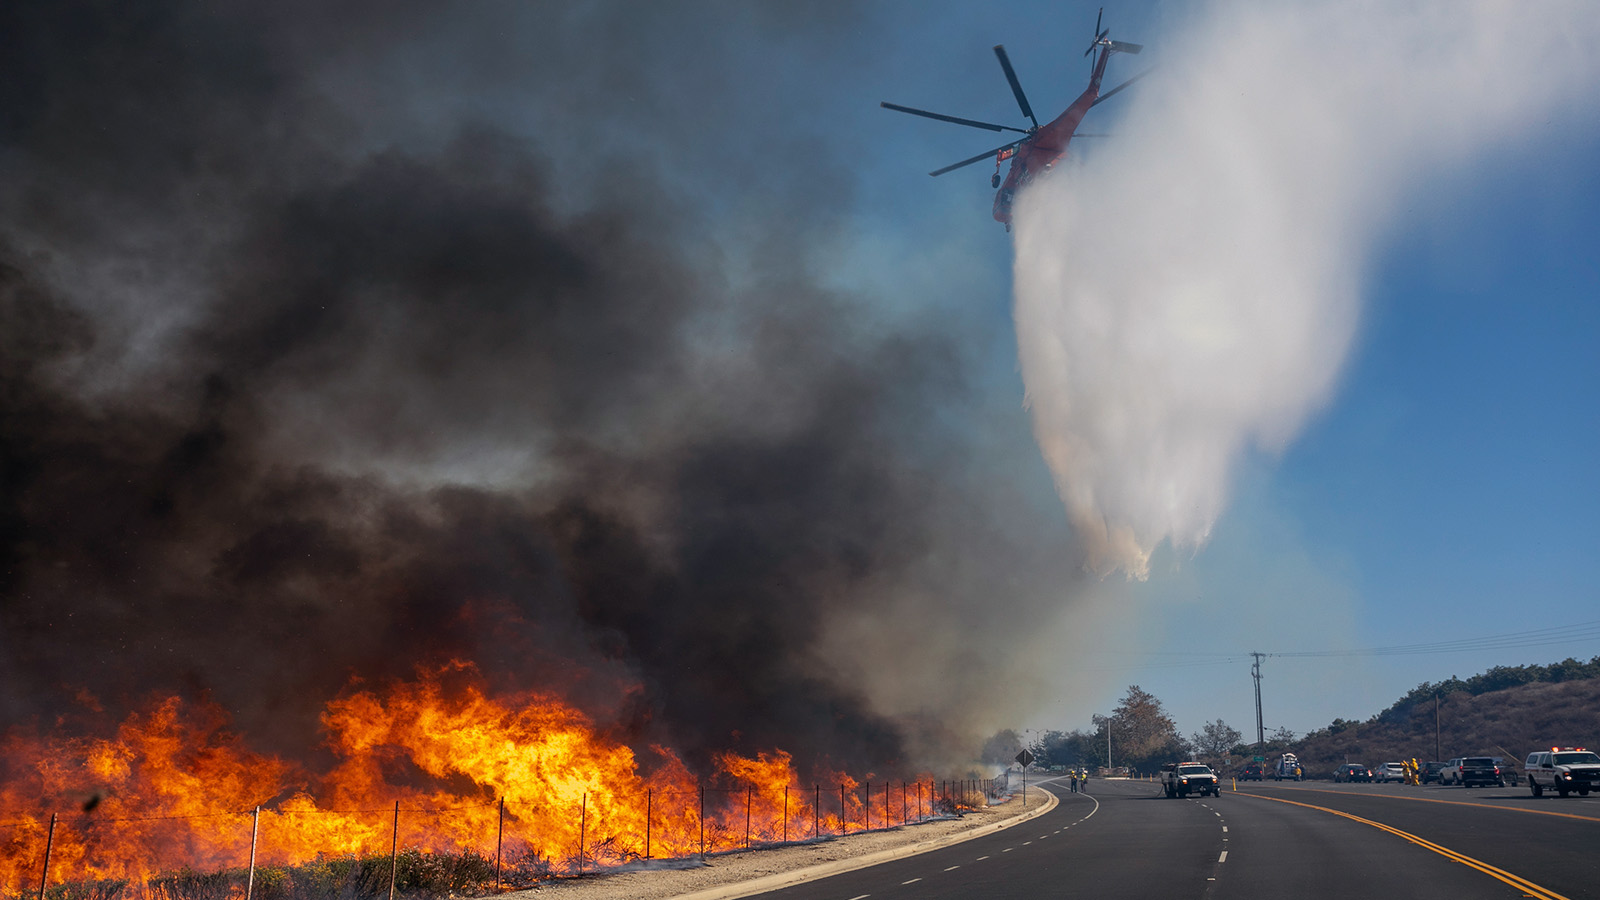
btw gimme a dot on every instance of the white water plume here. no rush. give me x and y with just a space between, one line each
1194 290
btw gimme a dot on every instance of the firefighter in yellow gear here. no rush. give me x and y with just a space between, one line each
1410 768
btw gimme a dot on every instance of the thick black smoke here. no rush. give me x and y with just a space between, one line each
296 389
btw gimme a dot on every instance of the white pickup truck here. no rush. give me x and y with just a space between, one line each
1180 779
1563 770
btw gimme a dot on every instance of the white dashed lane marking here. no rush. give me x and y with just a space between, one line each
980 859
1223 858
952 868
912 881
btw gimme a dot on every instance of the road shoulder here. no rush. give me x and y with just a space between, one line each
745 873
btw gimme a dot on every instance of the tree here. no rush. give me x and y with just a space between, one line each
1067 748
1215 739
1285 736
1143 732
1002 748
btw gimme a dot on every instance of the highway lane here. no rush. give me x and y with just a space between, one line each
1551 841
1126 840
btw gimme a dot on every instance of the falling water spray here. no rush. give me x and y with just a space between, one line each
1192 293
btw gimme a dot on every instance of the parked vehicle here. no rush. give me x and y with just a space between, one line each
1181 779
1509 770
1386 772
1451 773
1563 770
1479 771
1251 772
1430 771
1352 772
1288 768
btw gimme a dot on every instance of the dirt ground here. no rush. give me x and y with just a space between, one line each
734 874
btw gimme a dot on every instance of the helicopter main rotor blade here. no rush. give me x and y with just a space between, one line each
944 118
979 158
1016 87
1113 92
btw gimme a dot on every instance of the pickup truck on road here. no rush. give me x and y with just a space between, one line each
1563 770
1179 779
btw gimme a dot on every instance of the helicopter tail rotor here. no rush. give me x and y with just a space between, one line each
1098 34
1111 46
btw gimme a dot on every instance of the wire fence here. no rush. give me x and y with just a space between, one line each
297 851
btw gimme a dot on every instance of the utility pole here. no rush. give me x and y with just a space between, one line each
1436 726
1107 720
1255 672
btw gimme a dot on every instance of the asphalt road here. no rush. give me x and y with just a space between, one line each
1307 840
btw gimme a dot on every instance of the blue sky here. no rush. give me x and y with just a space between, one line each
1447 490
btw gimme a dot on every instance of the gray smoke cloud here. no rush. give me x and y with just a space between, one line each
335 342
1193 294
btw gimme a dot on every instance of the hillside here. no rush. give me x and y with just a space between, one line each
1509 722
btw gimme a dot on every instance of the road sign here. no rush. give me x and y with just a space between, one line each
1260 759
1025 758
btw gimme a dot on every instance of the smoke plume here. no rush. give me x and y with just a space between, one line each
1193 294
334 343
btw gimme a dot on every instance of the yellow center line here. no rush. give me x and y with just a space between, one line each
1536 812
1515 881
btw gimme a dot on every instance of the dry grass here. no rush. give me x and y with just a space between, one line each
417 875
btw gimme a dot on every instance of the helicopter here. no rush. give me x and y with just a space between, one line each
1041 146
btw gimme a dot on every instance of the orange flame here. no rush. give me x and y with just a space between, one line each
435 765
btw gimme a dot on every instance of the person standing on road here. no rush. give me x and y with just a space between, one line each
1084 787
1074 780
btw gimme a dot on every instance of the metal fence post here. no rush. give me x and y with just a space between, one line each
844 823
583 829
499 844
255 832
702 823
649 806
816 812
49 840
749 794
394 850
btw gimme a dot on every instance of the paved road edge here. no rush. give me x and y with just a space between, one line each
823 870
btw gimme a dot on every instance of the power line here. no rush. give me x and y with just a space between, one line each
1538 637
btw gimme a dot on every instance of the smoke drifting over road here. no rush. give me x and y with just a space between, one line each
313 370
1196 292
